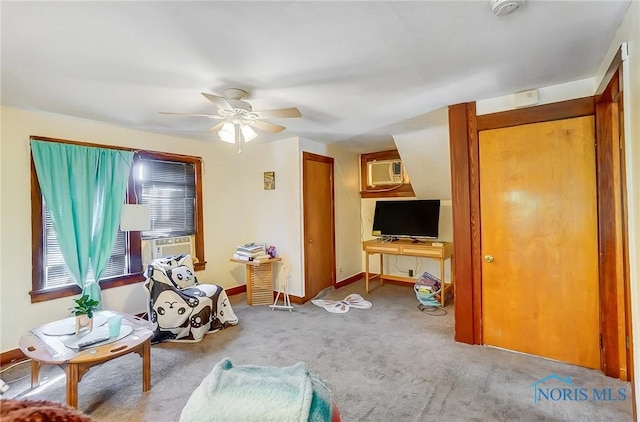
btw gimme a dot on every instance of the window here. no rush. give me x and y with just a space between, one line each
168 187
56 273
169 183
385 189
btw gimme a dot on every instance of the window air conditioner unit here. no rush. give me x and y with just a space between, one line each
385 172
171 246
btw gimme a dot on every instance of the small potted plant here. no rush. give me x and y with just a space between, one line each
83 310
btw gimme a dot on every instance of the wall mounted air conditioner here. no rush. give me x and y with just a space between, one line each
385 172
171 246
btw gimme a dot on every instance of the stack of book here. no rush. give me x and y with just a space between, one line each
255 252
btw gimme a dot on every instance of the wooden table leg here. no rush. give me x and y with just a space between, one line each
366 272
451 277
72 385
443 295
249 274
146 365
35 373
381 269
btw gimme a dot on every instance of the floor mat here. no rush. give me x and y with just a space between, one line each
343 306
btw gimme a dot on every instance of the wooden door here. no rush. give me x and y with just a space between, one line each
319 225
538 225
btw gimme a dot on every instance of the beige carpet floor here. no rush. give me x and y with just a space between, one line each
388 363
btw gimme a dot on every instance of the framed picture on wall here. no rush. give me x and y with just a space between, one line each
269 180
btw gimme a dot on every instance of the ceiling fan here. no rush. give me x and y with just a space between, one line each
237 116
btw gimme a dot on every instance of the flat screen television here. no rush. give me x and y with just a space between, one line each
411 218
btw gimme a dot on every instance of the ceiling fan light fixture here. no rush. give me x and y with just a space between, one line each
505 7
248 133
238 119
227 133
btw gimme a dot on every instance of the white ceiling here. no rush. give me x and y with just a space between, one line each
358 71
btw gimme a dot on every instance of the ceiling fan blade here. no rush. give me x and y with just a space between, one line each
217 127
269 127
279 113
218 100
214 116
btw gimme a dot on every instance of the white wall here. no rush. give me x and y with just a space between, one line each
629 32
546 95
272 216
425 155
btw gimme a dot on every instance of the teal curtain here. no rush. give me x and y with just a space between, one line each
85 198
110 192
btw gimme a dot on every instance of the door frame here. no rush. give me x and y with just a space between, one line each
464 126
614 262
308 156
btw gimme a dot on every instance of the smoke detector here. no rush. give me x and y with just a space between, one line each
505 7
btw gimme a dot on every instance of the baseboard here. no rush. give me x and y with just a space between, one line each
236 290
11 356
349 280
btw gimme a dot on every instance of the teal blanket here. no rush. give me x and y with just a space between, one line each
247 393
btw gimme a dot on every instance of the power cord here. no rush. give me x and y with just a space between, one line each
432 310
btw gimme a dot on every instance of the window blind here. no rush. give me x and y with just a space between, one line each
56 273
169 189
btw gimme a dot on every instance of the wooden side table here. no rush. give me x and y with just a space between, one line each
259 281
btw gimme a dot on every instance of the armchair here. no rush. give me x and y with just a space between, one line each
179 307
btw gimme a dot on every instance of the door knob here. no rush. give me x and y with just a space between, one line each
310 240
488 258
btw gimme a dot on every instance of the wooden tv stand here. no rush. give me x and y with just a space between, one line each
406 247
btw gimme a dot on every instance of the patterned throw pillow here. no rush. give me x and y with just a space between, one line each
182 276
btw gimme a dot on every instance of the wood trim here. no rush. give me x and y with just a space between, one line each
199 214
199 217
609 75
37 237
236 290
617 357
476 235
11 356
134 238
462 266
464 150
349 280
156 154
609 271
625 231
464 126
307 156
542 113
403 190
72 290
